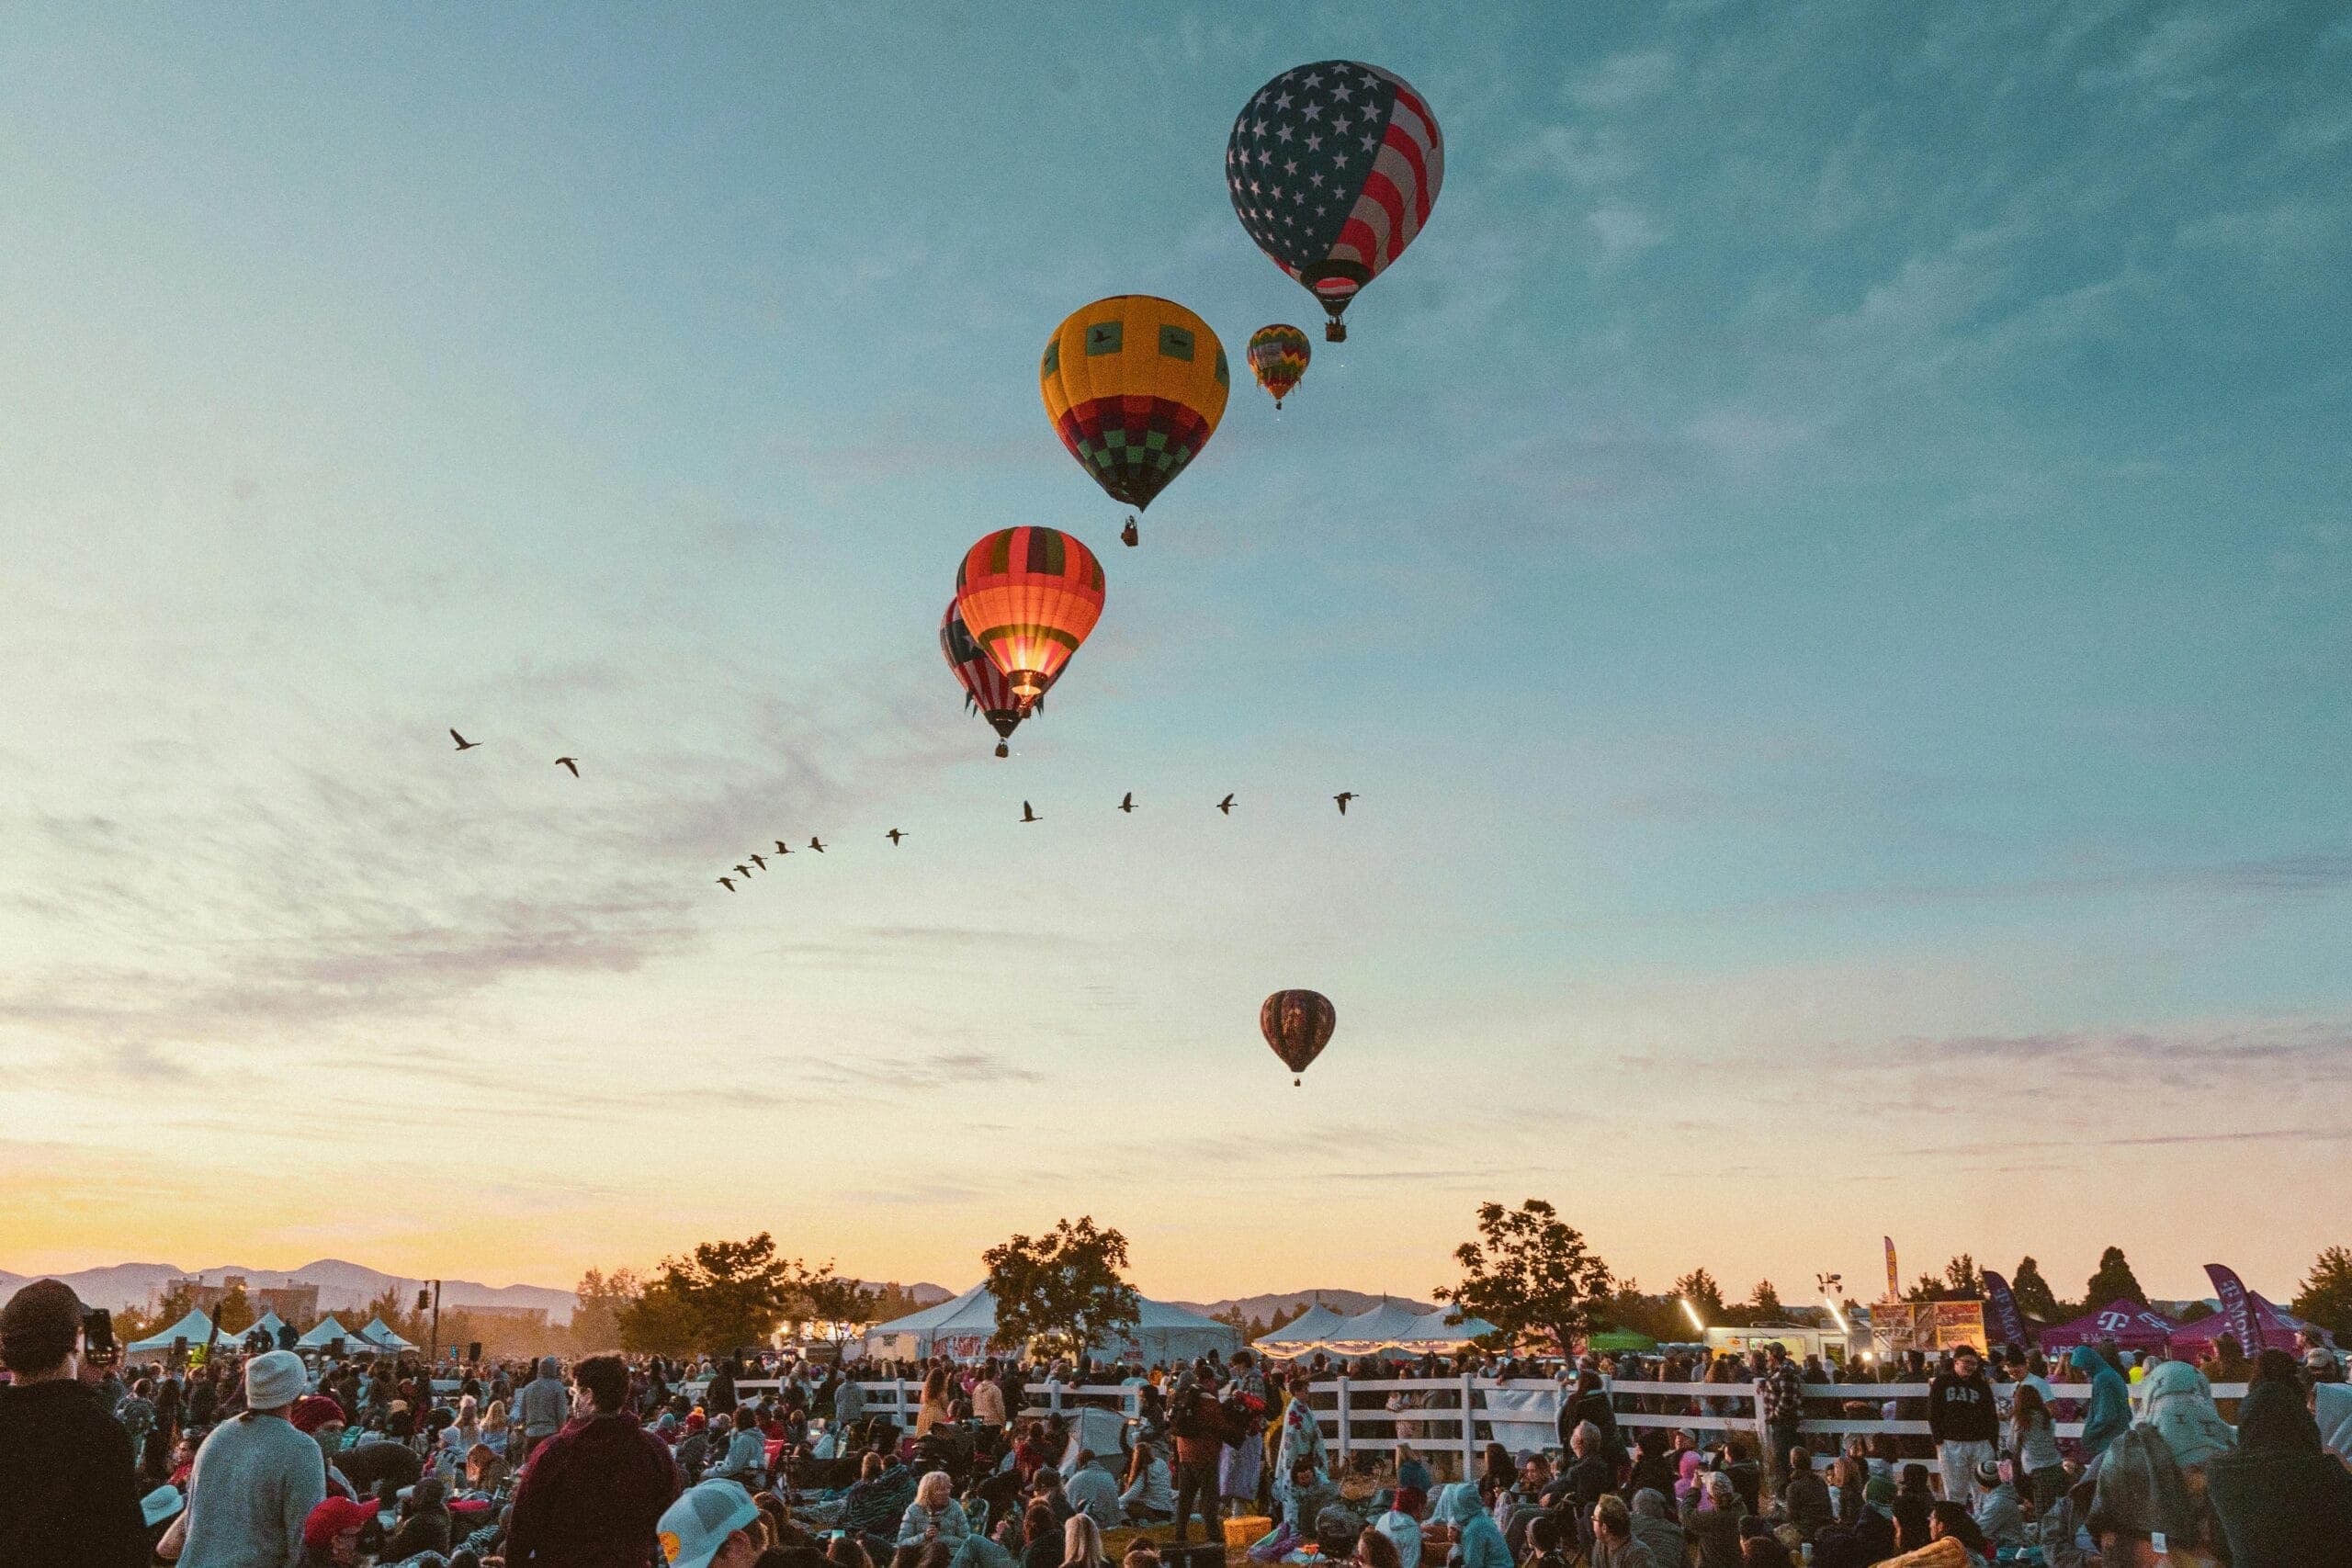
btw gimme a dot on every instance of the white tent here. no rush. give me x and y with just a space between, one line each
380 1334
1303 1333
269 1322
961 1329
1381 1329
324 1336
196 1328
1436 1333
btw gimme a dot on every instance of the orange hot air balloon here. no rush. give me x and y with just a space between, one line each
1029 596
1297 1025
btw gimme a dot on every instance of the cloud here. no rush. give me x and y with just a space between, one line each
2178 58
1624 79
2185 1057
1624 233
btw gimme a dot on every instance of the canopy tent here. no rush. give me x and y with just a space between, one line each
196 1328
324 1336
1619 1339
961 1329
1309 1328
2278 1329
2130 1325
1392 1327
380 1334
269 1322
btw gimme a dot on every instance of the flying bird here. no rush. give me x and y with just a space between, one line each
568 762
1344 796
760 860
1128 801
1027 815
742 871
818 845
463 744
728 883
894 836
782 848
1225 805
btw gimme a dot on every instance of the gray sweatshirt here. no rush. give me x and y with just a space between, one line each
257 1481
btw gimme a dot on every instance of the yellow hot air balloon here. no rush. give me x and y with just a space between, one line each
1134 386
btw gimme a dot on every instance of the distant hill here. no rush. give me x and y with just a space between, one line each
1347 1304
342 1286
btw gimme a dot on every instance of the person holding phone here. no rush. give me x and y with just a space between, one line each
69 1492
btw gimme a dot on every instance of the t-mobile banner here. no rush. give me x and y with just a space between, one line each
2237 1306
2008 1321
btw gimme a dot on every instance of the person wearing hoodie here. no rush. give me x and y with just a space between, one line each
2110 1413
256 1478
68 1490
1712 1522
1964 1420
1477 1543
593 1493
543 1407
1655 1526
424 1527
1868 1538
2178 1403
1403 1530
745 1461
2283 1500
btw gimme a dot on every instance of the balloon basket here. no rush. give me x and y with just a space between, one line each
1130 536
1335 331
1002 750
1296 1082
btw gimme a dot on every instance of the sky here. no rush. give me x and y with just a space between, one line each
1827 562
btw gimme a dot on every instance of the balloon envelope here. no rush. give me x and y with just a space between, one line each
985 687
1134 386
1278 357
1297 1025
1029 596
1333 168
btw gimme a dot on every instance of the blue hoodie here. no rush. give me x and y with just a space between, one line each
2109 1415
1481 1544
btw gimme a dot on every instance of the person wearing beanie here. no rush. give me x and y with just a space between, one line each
69 1492
2000 1513
258 1478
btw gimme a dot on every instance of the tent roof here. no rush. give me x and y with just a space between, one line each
196 1328
325 1334
268 1322
974 1312
1310 1326
2126 1322
378 1332
2273 1319
1390 1323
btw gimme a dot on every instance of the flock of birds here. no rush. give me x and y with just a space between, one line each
744 869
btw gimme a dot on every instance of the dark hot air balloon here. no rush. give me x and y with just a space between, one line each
986 689
1297 1024
1333 168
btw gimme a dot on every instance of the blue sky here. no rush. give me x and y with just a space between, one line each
1827 561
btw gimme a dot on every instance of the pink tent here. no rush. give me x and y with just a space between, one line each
2130 1325
2279 1329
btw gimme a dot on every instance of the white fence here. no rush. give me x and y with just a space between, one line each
1440 1415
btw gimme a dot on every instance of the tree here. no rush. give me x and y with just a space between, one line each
234 1314
840 1308
2326 1296
2032 1293
2114 1281
1765 1302
1698 1288
1961 1279
1063 1292
1529 1273
1926 1288
396 1304
596 1321
723 1296
1630 1309
136 1323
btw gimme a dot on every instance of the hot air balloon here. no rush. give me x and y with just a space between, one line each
1297 1024
1134 386
985 686
1333 168
1029 596
1278 357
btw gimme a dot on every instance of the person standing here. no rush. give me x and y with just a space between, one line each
1783 1393
68 1492
593 1493
1198 1426
256 1477
542 1408
1965 1423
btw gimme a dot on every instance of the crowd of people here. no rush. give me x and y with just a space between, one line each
267 1461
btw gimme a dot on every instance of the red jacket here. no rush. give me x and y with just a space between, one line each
591 1497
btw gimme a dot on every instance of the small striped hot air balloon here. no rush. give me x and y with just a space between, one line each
1297 1025
1029 596
1134 386
1333 168
986 689
1278 357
